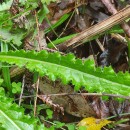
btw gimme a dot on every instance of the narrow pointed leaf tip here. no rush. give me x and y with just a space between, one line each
70 69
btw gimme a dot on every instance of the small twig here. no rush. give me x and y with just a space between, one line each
123 114
95 58
115 109
109 6
52 50
100 45
23 83
119 38
83 94
38 31
53 124
113 10
35 102
66 24
97 29
126 28
51 43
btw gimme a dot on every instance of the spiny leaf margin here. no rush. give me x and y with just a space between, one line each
68 68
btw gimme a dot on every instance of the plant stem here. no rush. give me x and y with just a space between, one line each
128 43
5 68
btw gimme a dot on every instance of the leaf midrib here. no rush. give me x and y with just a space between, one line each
54 64
10 120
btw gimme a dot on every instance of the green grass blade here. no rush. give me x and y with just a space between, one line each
5 70
52 27
60 40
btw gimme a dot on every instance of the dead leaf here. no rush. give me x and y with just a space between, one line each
93 123
75 105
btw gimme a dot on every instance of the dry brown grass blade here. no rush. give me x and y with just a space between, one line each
97 29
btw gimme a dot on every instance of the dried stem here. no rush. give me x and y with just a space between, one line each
113 10
97 29
83 94
23 83
35 102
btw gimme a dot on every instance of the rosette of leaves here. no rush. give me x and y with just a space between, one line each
69 69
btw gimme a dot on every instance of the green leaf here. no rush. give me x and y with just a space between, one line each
7 37
6 6
70 69
59 124
30 3
42 13
70 126
57 24
12 116
82 128
115 29
49 113
47 1
60 40
16 87
1 81
5 70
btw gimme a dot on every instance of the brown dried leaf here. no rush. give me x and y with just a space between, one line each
75 105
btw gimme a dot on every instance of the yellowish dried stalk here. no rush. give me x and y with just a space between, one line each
98 28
